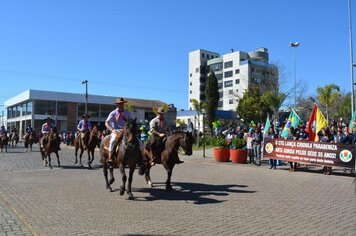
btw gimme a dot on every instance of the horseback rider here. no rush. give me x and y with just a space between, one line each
115 123
159 130
46 128
84 126
29 130
3 130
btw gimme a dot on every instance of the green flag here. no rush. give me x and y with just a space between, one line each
293 121
352 125
267 126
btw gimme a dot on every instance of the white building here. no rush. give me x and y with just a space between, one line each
66 109
235 72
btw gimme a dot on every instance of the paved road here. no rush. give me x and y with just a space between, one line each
211 198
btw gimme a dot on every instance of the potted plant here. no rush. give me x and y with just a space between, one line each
237 153
221 151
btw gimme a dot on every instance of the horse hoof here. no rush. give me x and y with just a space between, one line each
169 188
75 162
150 184
112 181
50 167
131 197
122 191
108 188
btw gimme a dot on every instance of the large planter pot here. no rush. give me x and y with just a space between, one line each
221 154
238 156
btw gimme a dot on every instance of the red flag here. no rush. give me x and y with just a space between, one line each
311 126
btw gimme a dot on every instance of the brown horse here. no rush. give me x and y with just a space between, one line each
169 154
30 139
50 146
91 143
14 139
128 153
4 141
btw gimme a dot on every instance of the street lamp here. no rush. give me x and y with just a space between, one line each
294 45
86 95
204 139
351 62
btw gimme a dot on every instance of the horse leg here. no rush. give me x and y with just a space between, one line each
49 161
129 192
88 151
124 178
147 175
80 157
76 155
112 179
105 171
58 162
169 168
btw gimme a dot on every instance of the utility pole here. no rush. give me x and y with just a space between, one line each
351 63
294 45
86 95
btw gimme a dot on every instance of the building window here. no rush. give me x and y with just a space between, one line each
190 75
221 94
197 70
228 74
237 71
237 90
220 85
216 67
228 64
237 81
29 108
106 109
207 56
228 83
62 108
231 101
220 104
231 91
219 76
202 55
190 92
191 83
44 107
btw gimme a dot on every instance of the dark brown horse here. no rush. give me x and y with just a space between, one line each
91 143
168 156
30 139
128 153
4 141
51 145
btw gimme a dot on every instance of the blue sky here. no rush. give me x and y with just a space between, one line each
140 49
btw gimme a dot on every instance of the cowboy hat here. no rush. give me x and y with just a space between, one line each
120 100
160 110
48 118
85 115
3 126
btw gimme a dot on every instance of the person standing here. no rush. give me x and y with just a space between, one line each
115 123
257 141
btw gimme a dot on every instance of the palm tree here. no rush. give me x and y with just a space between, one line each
199 108
327 96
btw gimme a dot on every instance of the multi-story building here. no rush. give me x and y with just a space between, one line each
235 72
66 109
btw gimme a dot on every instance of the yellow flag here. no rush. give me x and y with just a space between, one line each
321 123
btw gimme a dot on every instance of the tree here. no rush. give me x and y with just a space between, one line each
327 96
273 100
341 108
211 98
252 107
198 107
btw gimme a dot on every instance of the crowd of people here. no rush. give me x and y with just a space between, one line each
254 134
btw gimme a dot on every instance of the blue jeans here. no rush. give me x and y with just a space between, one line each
273 162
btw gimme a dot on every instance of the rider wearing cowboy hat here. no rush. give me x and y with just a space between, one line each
159 130
46 128
115 123
3 130
84 126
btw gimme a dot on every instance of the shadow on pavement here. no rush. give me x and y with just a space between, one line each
196 192
77 167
